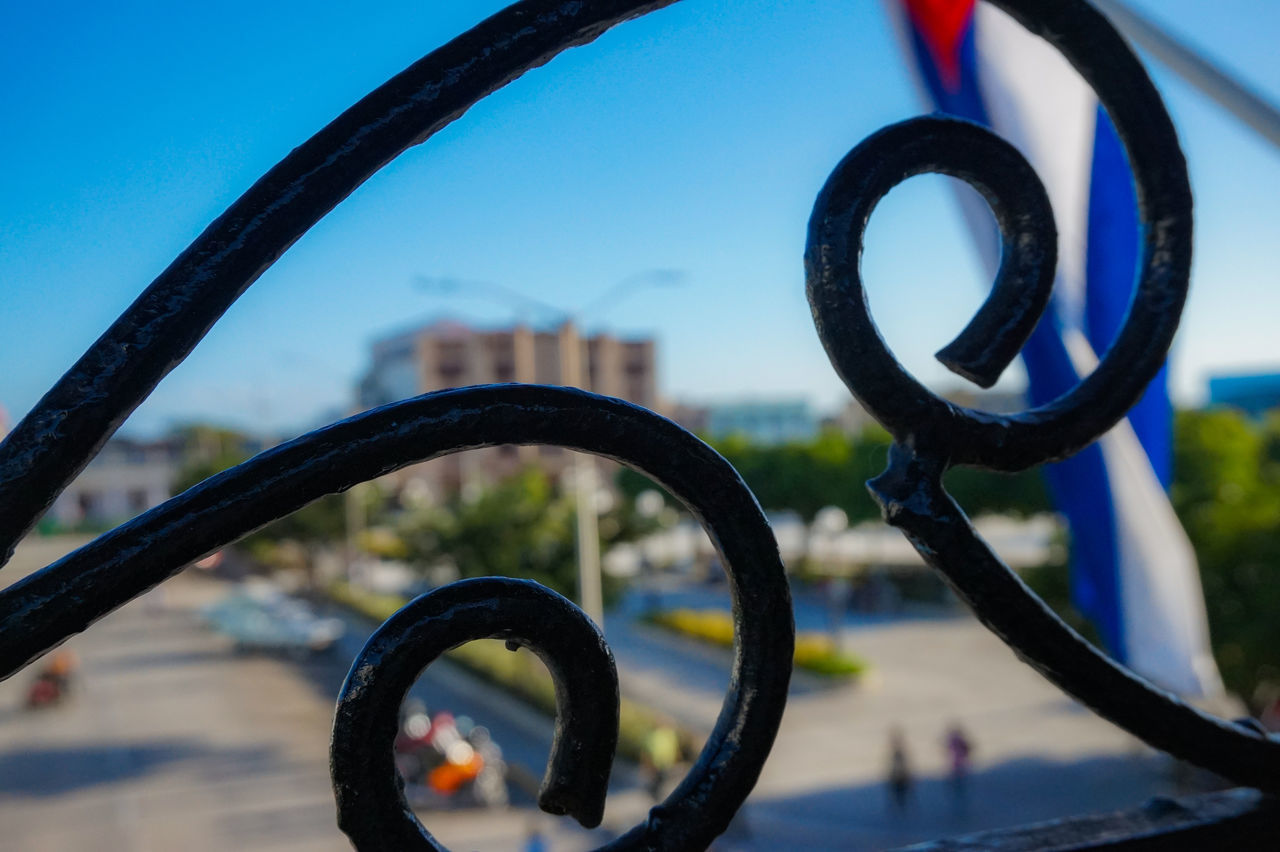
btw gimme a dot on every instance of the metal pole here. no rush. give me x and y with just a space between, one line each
1232 95
590 586
573 373
355 524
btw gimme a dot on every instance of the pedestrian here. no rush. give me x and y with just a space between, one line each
959 751
661 752
899 778
839 591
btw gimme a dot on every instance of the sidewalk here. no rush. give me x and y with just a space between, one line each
175 743
172 741
1038 754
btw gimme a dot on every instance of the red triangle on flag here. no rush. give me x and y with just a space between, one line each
942 24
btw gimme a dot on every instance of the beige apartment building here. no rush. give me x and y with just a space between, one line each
449 354
126 478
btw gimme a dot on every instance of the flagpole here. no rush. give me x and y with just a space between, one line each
1229 93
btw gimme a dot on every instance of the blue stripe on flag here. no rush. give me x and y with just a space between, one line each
1082 492
965 101
1111 263
1079 485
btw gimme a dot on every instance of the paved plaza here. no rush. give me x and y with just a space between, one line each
1038 755
172 741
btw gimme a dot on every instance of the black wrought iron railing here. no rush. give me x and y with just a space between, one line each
71 423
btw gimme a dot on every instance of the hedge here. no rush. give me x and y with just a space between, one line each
520 673
815 652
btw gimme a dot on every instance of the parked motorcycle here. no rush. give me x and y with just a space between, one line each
447 761
53 682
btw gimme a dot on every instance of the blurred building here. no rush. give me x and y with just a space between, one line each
446 354
851 419
763 421
1253 393
991 401
126 478
689 415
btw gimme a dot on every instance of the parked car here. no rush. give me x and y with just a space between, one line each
262 618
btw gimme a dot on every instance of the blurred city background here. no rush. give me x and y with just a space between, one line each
630 220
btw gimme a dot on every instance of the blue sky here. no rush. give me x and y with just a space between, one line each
693 139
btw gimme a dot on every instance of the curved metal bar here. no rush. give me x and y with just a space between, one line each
931 435
1023 284
1054 431
69 425
66 429
913 499
371 806
66 597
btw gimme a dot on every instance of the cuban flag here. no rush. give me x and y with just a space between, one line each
1133 573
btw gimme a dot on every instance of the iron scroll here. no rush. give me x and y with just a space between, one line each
932 434
53 443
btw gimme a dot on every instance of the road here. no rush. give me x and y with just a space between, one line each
175 742
1039 755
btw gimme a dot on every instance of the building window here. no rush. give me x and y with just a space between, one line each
453 357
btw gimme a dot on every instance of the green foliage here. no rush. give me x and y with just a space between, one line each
829 470
1226 491
832 469
521 527
981 492
814 652
632 484
209 450
521 673
1052 582
323 520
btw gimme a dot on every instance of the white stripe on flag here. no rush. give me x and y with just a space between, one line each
1166 629
1037 101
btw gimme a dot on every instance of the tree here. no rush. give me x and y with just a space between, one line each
832 469
209 450
1226 491
521 527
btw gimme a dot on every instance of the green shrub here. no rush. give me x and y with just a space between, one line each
520 673
815 652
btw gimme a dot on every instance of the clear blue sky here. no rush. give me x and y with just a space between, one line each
693 139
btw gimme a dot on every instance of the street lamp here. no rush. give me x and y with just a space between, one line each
573 373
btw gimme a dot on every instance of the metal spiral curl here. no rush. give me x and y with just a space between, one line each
53 443
1068 424
71 594
931 434
371 806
